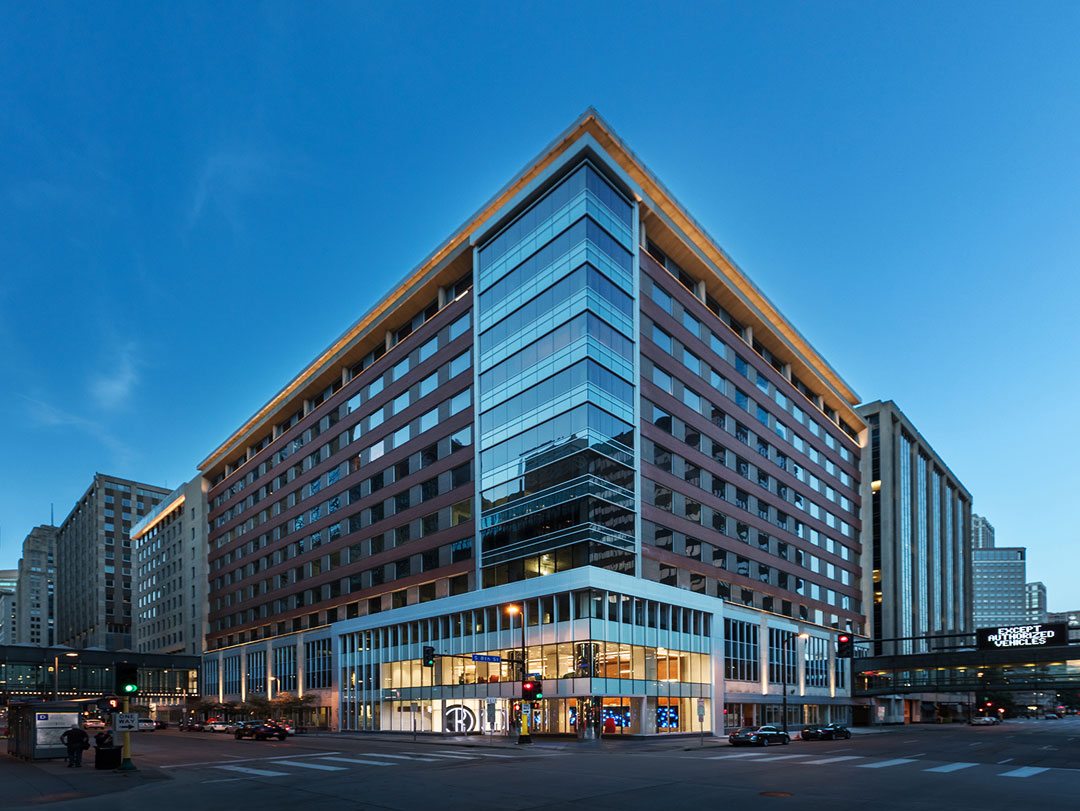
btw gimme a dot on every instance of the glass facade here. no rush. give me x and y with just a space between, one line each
555 375
904 593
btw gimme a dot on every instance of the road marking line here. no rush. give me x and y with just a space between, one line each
359 760
1024 771
303 765
831 759
244 760
482 754
253 772
917 754
884 764
781 757
951 767
1006 760
401 757
739 754
449 757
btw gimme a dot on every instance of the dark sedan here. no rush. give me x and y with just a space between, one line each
260 730
828 732
758 736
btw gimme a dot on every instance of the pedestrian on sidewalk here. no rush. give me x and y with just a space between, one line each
104 739
76 742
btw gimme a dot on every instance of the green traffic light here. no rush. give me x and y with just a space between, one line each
131 688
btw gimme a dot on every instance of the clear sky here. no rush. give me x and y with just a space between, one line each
196 198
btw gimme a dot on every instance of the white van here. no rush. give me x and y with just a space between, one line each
146 725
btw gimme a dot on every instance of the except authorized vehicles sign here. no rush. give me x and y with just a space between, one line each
1023 636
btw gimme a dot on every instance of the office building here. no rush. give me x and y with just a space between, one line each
1070 618
1035 602
9 579
999 578
36 594
578 421
93 553
169 556
982 533
916 514
8 618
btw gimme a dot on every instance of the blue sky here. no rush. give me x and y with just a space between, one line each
179 184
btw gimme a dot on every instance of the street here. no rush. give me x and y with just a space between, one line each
1020 764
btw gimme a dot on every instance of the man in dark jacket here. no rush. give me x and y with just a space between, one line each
104 739
76 741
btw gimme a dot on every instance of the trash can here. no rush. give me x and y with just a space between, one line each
108 757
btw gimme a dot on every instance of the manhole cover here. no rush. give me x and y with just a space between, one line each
776 794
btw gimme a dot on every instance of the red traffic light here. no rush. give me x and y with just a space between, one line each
531 691
843 638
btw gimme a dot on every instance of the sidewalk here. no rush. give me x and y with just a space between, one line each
49 781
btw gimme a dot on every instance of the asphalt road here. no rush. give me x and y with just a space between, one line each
1018 765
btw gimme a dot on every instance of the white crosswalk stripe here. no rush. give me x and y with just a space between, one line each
837 759
361 761
770 758
951 767
401 757
251 771
448 757
1025 771
322 767
736 755
481 754
884 764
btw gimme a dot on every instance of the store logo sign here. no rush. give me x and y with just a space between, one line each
459 718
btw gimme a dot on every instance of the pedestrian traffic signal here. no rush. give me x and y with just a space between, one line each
127 679
429 656
531 690
845 646
108 704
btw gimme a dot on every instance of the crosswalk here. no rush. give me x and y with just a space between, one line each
864 762
325 762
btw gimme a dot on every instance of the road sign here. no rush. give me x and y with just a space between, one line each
483 657
701 709
126 722
491 712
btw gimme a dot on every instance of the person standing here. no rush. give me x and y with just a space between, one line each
76 742
104 739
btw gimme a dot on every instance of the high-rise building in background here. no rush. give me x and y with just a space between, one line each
9 579
36 593
999 580
577 416
94 563
169 557
1035 602
915 517
1070 618
982 533
8 618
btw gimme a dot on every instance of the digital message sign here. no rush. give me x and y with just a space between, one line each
1045 635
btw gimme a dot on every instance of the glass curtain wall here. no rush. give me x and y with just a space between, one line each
555 366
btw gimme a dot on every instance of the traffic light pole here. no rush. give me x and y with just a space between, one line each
526 708
125 764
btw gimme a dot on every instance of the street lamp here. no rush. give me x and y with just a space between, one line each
523 731
56 673
783 670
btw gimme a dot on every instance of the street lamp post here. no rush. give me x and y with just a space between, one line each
783 672
523 731
56 673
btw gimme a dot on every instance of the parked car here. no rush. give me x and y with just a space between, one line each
218 725
161 724
147 725
985 721
758 736
287 726
191 726
827 732
1051 715
93 723
259 730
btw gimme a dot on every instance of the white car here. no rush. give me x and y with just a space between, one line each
147 725
984 721
219 726
93 723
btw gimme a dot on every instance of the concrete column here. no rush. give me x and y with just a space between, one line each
389 340
270 685
444 297
716 662
243 674
748 334
300 664
221 678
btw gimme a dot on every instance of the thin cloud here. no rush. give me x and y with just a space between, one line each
112 390
49 416
225 179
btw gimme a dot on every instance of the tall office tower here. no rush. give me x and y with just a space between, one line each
93 556
577 432
1070 618
36 594
9 579
999 579
915 514
982 533
8 618
1035 602
169 556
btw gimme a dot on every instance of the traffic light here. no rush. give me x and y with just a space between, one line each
108 704
429 656
845 646
531 690
127 679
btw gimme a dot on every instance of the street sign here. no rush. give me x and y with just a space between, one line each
491 712
1023 636
483 657
126 722
701 709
